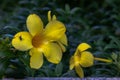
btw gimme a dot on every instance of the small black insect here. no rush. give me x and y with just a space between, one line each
20 38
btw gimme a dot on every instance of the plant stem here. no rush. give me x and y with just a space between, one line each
104 60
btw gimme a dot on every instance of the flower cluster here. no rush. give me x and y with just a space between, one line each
51 41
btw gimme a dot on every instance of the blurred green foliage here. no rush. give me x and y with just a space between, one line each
96 22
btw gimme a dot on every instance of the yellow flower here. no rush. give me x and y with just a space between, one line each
83 58
49 41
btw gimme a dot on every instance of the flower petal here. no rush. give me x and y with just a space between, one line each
50 18
54 17
22 41
64 40
49 15
54 30
83 47
36 59
63 48
79 71
52 52
34 24
72 63
63 43
87 59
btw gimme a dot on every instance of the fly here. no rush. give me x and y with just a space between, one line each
20 38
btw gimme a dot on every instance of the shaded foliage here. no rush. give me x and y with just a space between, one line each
96 22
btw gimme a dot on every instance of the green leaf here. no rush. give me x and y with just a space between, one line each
4 54
59 69
116 40
3 67
70 73
67 8
74 10
114 56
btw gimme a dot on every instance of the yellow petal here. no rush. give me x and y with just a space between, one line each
52 52
22 41
51 18
54 17
79 71
77 59
63 48
83 47
36 59
87 59
54 30
64 40
49 15
72 63
34 24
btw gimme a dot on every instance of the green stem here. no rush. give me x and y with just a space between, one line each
104 60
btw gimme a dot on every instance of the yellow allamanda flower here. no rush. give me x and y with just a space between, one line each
49 41
83 58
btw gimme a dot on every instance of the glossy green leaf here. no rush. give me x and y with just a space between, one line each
59 69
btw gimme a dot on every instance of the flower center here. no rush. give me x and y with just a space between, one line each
76 59
38 40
